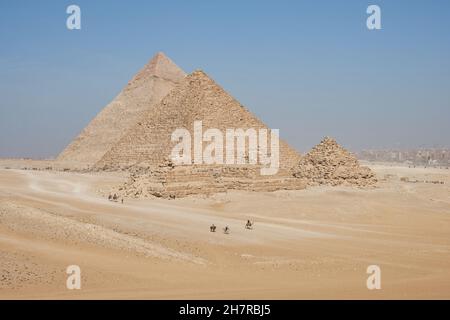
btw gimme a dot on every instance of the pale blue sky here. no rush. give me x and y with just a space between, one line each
309 68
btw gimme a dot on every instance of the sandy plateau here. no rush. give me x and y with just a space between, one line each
313 243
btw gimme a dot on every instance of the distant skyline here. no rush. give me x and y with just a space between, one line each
310 68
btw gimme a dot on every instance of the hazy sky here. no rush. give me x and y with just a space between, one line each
309 68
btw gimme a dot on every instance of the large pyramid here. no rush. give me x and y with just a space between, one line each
145 150
329 163
197 98
146 89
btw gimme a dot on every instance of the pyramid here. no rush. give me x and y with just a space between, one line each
170 181
146 89
329 163
145 150
197 98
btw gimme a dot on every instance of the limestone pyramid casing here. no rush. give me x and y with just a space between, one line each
198 97
146 89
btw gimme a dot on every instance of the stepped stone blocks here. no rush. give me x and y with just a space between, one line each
146 89
146 148
329 163
197 98
169 181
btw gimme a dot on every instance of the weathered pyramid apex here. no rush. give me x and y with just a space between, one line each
328 140
162 66
198 73
159 57
199 76
160 54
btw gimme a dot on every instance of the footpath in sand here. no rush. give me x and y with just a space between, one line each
313 243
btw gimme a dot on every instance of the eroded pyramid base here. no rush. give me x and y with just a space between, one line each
168 181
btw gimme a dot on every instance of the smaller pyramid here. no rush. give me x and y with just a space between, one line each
330 164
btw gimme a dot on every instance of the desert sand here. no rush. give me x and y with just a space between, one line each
305 244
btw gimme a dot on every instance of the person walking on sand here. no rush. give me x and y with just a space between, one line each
122 200
226 230
212 228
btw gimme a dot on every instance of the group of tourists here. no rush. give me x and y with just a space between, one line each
226 230
114 198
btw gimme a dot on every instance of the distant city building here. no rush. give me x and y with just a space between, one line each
414 157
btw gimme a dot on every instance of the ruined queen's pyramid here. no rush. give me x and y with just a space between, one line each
330 164
146 89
